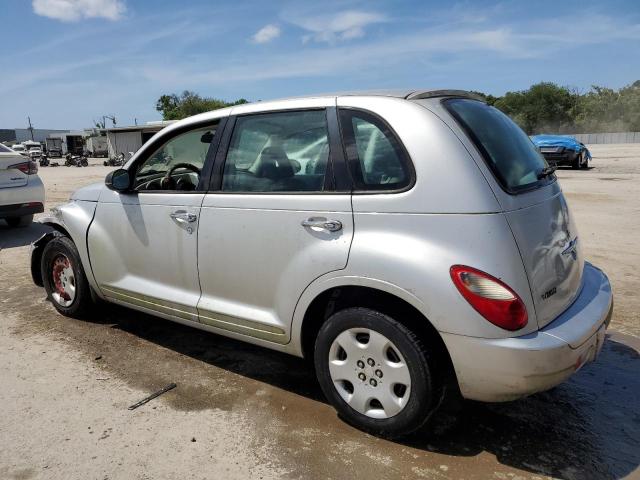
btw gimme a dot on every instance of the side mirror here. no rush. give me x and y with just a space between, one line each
118 180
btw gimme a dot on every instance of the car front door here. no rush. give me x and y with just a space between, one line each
273 223
143 242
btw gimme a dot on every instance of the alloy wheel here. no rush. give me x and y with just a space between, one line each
64 281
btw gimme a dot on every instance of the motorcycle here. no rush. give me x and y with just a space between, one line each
75 161
116 161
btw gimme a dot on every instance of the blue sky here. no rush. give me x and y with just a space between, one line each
67 62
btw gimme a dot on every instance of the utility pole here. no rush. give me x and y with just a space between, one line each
30 128
113 121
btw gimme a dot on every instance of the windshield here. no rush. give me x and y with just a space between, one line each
18 148
508 151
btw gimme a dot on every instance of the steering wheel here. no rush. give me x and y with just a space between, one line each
168 183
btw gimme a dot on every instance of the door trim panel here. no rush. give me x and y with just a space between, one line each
244 326
163 306
213 319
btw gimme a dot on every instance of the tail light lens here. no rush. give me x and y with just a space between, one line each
28 168
490 297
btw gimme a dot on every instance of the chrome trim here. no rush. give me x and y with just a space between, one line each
168 308
213 319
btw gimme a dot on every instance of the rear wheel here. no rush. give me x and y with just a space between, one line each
64 279
375 372
23 221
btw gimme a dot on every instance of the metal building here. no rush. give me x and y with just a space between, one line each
39 134
130 139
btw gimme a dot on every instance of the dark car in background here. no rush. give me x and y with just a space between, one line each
559 150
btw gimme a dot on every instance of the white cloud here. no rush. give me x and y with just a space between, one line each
341 26
266 34
74 10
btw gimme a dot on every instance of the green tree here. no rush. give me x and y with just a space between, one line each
607 110
544 106
175 107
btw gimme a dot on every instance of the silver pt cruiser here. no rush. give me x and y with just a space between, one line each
412 244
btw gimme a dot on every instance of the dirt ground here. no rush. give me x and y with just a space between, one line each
244 412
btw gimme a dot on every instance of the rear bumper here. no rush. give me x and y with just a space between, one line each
24 200
495 370
21 209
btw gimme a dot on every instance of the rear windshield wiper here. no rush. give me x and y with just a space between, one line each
546 172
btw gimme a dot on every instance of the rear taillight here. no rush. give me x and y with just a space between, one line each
28 168
490 297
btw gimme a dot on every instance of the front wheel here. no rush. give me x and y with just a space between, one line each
64 279
585 161
577 162
375 372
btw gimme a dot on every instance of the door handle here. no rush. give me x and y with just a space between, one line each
323 223
182 216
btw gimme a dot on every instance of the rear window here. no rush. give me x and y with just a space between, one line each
508 151
4 149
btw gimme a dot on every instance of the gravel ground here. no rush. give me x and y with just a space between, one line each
244 412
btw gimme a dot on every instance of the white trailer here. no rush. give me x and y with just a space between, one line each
97 146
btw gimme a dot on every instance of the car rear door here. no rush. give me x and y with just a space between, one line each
273 221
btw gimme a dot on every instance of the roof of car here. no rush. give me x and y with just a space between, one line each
408 94
268 105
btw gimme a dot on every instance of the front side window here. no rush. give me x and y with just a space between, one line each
176 165
376 159
278 152
508 151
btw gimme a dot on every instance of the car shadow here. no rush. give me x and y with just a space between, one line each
571 169
20 236
588 427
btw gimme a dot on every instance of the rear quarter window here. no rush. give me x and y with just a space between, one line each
377 160
508 151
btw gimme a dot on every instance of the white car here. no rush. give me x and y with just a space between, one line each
19 148
21 190
34 153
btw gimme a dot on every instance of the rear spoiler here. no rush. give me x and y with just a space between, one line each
422 94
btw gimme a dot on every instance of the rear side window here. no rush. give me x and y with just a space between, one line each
278 152
376 158
508 151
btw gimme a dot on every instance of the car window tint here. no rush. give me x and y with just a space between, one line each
508 151
376 159
278 152
189 148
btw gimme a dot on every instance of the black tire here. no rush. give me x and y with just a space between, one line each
23 221
424 393
585 162
577 162
82 302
